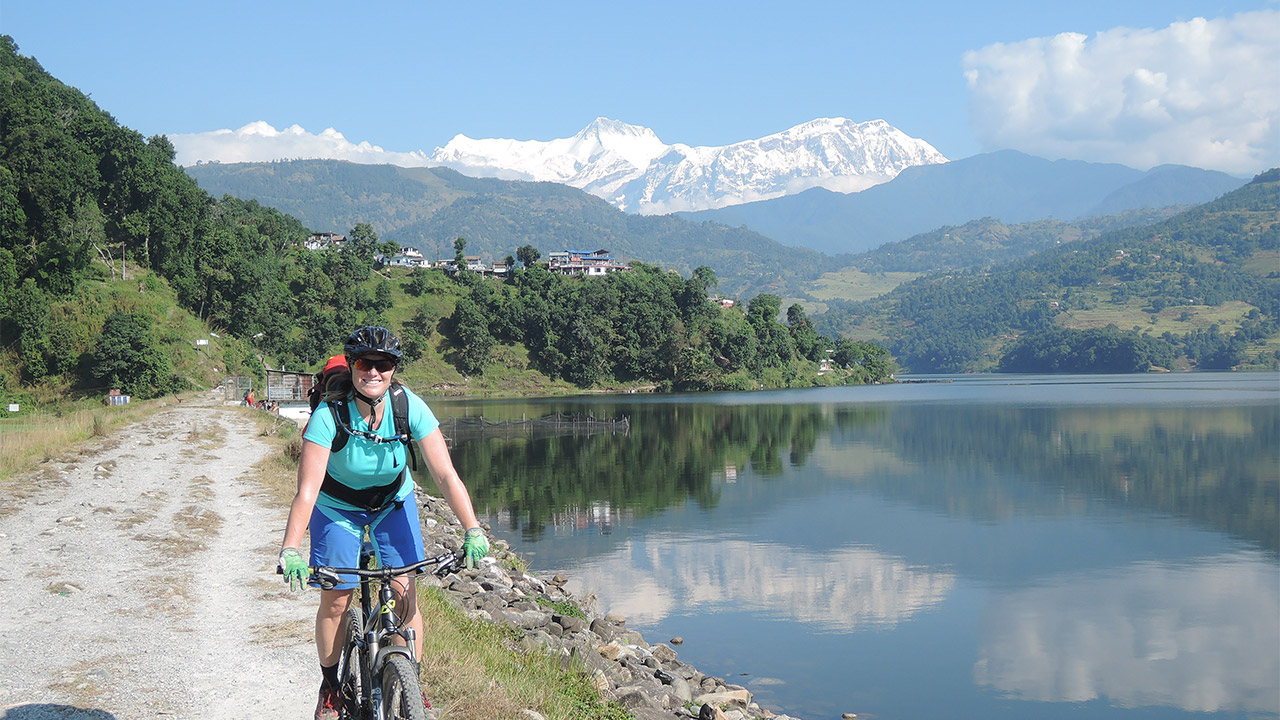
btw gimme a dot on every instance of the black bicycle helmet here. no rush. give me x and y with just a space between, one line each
372 339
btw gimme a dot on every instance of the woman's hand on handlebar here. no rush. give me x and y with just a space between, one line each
293 567
475 546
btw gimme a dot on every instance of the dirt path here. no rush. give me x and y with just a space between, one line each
138 581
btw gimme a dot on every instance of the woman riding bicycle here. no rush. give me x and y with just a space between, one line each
366 484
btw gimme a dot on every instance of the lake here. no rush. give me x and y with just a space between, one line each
983 546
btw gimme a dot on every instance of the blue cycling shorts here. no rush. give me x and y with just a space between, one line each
336 537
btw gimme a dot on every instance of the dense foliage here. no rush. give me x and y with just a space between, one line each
1108 350
649 326
85 199
1157 276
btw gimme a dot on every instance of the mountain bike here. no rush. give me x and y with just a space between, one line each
379 680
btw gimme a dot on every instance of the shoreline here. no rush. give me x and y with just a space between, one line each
647 679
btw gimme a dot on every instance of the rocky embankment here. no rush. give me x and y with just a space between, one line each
647 679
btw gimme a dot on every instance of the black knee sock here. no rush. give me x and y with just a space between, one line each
330 675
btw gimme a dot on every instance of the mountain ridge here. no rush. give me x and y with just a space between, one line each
1009 185
629 166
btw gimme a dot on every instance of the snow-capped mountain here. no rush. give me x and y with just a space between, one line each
630 167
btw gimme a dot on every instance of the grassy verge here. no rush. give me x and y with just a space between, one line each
31 438
471 669
476 669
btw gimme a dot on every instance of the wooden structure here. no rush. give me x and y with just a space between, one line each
288 386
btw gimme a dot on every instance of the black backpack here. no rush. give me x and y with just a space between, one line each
376 498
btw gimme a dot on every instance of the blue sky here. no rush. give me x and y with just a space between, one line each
1142 83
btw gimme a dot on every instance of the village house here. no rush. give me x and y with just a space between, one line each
409 257
317 241
475 264
579 262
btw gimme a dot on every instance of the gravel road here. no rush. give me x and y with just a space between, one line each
138 581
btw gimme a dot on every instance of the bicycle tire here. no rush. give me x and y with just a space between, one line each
353 674
401 691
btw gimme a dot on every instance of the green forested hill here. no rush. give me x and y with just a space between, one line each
428 208
988 242
1201 289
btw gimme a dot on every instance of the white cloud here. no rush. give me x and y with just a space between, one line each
260 142
1203 93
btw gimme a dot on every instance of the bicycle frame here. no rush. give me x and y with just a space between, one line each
381 623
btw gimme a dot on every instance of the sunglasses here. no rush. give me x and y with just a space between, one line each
367 364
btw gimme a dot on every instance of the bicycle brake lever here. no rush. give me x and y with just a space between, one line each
327 578
445 564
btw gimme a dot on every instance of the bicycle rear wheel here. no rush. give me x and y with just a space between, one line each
401 692
353 673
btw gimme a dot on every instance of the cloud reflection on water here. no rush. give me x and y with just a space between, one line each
840 591
1203 637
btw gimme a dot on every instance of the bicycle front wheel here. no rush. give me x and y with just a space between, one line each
401 692
353 673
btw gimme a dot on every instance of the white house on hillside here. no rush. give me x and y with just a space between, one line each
579 262
317 241
408 257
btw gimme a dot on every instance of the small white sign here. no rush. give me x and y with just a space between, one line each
14 407
202 341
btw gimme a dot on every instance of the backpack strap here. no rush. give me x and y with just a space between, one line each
341 420
400 413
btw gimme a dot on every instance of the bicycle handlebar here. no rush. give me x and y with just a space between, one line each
328 576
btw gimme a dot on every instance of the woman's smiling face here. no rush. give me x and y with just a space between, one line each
372 374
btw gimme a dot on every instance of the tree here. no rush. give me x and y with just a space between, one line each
870 362
459 257
527 255
807 340
30 318
363 240
416 333
419 282
471 336
127 356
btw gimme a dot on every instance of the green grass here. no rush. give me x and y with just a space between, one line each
476 670
562 607
30 437
1198 317
1264 262
853 284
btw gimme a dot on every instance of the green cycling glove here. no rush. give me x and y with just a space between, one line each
293 567
475 546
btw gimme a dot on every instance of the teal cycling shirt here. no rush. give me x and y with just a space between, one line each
363 463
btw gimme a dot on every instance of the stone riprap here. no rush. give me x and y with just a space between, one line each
647 679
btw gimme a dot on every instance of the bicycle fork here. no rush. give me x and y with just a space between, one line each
384 624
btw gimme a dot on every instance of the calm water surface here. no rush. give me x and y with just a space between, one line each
987 546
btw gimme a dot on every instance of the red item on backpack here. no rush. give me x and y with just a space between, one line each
336 364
